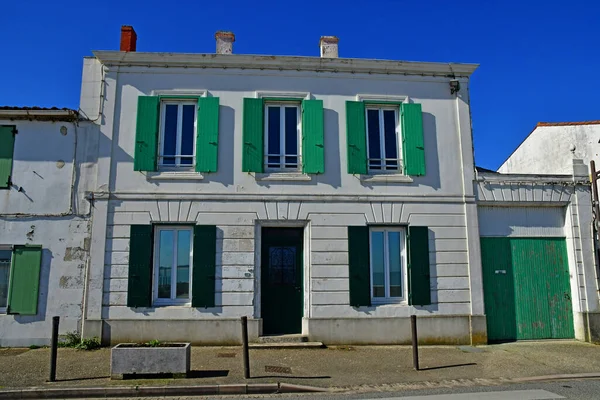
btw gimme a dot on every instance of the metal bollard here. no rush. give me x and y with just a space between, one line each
245 353
53 348
415 341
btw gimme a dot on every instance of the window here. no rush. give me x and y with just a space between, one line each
177 134
282 136
173 260
388 264
5 259
383 146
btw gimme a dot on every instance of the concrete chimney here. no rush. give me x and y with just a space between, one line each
128 38
329 46
225 41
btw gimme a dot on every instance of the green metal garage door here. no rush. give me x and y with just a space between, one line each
526 286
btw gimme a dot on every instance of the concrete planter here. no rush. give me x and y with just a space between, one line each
168 358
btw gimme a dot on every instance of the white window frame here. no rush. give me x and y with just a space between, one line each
161 135
385 169
282 155
7 248
156 265
403 270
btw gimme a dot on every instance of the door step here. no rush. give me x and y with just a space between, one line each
293 345
293 338
285 342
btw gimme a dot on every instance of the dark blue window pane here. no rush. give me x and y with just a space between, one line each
274 139
170 134
291 131
187 130
373 137
291 161
391 143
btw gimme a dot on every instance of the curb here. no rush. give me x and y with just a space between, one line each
149 391
559 377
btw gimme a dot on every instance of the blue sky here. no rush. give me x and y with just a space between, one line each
539 59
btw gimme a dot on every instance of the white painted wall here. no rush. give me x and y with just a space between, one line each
49 213
237 203
551 150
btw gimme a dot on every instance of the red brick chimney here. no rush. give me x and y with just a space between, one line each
128 38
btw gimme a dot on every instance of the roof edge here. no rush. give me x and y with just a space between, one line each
26 114
297 63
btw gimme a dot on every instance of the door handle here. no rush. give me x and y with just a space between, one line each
298 288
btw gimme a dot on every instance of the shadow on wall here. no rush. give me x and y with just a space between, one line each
333 154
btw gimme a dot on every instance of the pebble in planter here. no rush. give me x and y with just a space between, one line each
140 359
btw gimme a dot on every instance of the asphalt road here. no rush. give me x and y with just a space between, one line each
585 389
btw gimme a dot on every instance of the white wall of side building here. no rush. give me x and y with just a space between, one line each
551 149
53 162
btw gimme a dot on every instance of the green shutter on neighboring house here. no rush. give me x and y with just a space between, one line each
204 265
252 156
356 137
412 138
358 266
139 285
146 133
313 158
24 280
207 140
7 146
419 287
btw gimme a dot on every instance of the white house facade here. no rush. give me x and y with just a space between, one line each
552 146
328 197
46 161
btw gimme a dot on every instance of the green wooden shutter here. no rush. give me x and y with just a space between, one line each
7 146
413 145
313 158
204 264
146 134
356 137
358 266
419 288
252 157
24 280
139 285
207 140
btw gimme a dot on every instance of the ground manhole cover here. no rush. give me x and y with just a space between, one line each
226 355
279 370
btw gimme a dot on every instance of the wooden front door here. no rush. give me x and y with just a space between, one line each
281 280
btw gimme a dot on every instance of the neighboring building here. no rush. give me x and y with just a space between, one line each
540 278
551 147
324 196
45 163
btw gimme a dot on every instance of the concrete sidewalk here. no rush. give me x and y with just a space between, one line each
356 368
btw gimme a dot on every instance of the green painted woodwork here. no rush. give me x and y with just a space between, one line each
419 285
526 288
313 157
146 134
24 282
499 291
252 156
282 306
356 137
139 284
359 266
204 265
413 145
542 292
207 139
7 147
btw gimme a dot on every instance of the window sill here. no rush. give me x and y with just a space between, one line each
386 178
378 303
158 304
174 175
283 176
